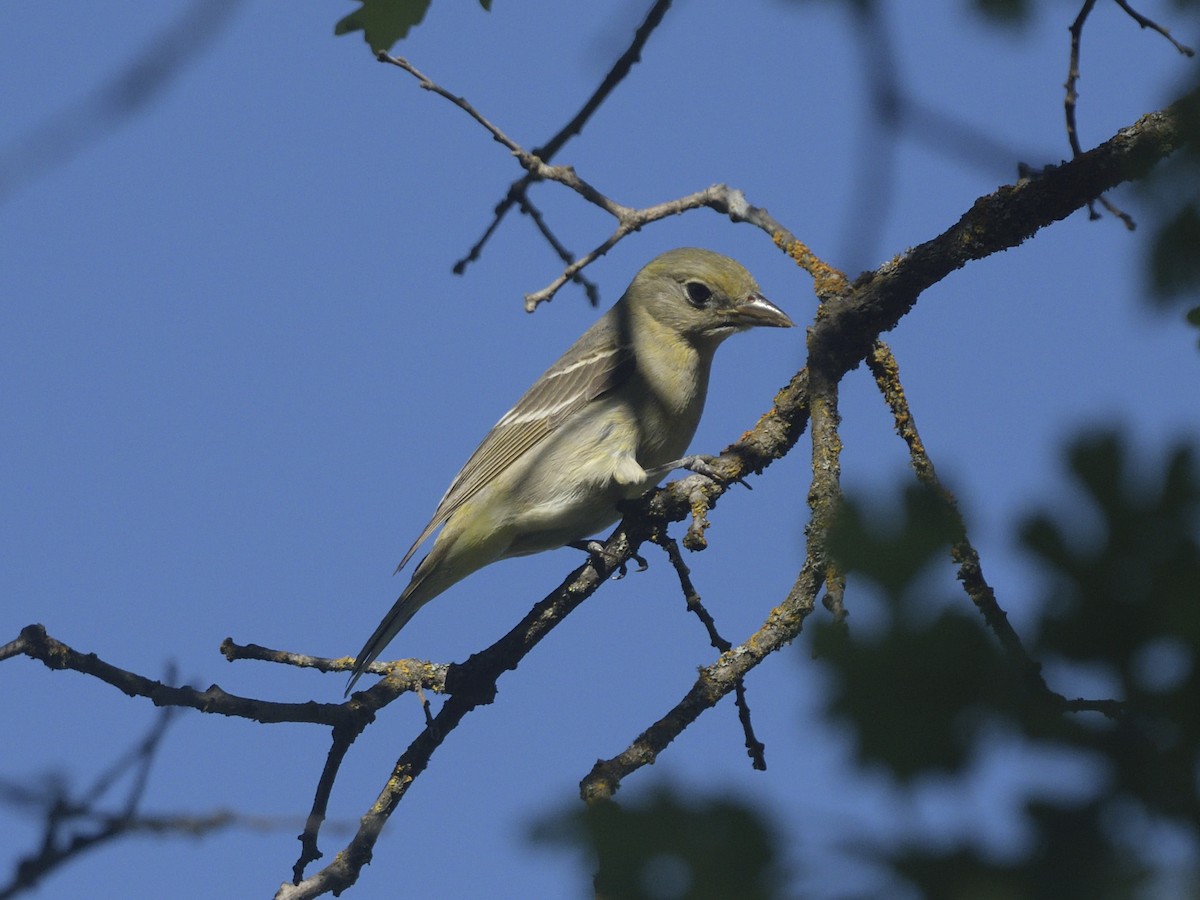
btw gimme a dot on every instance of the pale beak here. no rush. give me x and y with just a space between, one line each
755 309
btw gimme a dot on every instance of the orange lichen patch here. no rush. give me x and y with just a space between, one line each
827 281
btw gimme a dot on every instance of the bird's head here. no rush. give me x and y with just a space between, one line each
702 296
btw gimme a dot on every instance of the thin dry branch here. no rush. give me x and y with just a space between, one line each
145 77
517 191
886 372
1072 95
849 321
727 201
755 748
1144 22
847 327
36 644
77 822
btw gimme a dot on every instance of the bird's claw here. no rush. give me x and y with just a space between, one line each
623 569
595 550
702 465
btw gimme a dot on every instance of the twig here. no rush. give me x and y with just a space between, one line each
36 644
721 198
404 674
755 749
1144 22
589 287
76 825
886 371
730 202
1072 96
429 84
517 190
143 79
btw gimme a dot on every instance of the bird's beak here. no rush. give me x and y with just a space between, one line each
755 309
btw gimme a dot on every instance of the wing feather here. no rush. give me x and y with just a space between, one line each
593 366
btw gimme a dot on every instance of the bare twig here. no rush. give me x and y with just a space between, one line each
404 674
1069 107
755 749
1072 96
144 78
721 198
886 371
848 324
730 202
36 644
1144 22
517 190
76 824
589 287
527 159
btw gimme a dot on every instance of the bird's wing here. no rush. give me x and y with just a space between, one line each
595 365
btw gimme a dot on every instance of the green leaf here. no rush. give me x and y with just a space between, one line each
1004 12
1070 855
672 844
1175 258
917 696
383 22
1123 604
1193 318
893 553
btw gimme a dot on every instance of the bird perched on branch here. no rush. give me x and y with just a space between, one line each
609 419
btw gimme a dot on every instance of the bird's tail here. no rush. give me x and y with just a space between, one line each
402 610
450 560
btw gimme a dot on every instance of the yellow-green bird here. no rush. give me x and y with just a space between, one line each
613 415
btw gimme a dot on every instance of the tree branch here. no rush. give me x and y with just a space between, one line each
849 321
846 327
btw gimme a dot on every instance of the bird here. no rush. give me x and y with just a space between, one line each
611 417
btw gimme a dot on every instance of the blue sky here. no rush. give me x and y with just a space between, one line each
239 375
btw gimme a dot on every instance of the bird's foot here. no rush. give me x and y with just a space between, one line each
595 550
703 465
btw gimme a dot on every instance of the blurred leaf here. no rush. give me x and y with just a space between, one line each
1140 580
1172 189
893 553
1070 857
1129 603
383 22
916 697
670 845
1004 12
1175 257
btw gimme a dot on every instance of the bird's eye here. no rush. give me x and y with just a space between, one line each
698 294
